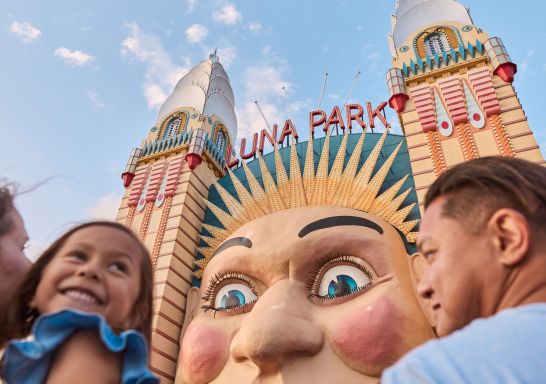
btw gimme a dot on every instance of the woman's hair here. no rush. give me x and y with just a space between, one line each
17 322
6 205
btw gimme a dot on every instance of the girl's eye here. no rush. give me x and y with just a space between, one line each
78 256
118 267
342 280
234 295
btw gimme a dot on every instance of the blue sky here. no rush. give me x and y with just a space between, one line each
81 82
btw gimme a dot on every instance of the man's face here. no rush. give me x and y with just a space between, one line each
13 263
314 294
461 280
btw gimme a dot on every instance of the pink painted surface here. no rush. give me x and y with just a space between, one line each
481 82
424 104
175 167
156 176
204 353
371 336
452 92
137 185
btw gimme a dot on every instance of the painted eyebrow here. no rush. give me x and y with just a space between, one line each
336 221
232 243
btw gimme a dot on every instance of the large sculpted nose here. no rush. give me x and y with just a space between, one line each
278 328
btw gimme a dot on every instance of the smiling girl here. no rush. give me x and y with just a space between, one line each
83 312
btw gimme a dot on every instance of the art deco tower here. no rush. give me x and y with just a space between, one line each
166 179
451 85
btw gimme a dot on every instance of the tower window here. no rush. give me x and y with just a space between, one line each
436 43
220 142
172 128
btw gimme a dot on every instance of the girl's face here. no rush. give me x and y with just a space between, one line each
97 270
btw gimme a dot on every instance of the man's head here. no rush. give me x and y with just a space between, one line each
13 237
484 223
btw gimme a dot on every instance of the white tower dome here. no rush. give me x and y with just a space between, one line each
411 15
207 89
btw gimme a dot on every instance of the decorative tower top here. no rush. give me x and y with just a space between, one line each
412 15
205 88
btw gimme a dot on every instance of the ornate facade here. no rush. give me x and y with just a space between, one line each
451 85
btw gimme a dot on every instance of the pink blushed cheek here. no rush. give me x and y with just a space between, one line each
368 339
204 353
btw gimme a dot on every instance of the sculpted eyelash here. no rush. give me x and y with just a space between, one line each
312 282
212 289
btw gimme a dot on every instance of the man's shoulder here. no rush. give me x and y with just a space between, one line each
514 336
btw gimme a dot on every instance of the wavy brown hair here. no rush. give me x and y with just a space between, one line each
7 193
17 322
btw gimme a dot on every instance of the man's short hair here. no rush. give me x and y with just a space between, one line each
474 190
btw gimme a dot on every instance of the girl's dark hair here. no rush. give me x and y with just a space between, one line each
18 319
6 205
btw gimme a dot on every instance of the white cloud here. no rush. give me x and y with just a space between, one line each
262 83
105 208
161 73
196 33
265 82
96 103
334 96
191 5
73 57
26 31
227 55
228 14
255 27
155 95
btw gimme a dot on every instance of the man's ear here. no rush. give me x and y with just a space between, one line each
192 303
511 236
418 267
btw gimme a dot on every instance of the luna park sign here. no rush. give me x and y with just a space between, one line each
352 114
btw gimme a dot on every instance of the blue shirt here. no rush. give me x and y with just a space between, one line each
27 361
509 347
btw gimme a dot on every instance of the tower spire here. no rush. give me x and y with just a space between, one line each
214 56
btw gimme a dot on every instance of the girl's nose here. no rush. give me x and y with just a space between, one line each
89 270
278 328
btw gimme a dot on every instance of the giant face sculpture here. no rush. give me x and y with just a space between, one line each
314 293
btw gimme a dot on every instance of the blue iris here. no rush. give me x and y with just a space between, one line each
345 285
233 298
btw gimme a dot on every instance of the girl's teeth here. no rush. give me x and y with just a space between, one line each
83 296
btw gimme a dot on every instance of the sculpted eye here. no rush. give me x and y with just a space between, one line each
231 292
342 280
233 296
337 277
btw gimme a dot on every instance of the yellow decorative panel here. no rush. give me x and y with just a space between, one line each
485 142
424 179
416 139
452 152
158 289
513 115
516 129
523 142
422 165
170 310
533 155
504 91
419 152
168 327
